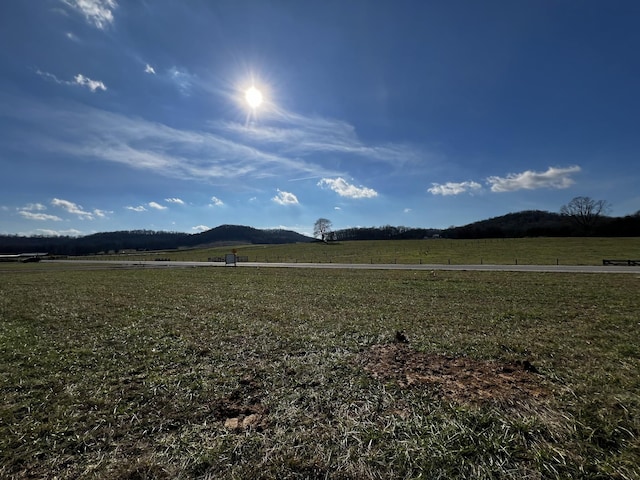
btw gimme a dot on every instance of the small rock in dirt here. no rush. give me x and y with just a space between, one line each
251 420
232 423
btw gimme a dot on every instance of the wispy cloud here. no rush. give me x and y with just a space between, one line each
182 79
92 85
556 178
553 177
216 202
38 216
157 206
200 228
149 69
285 198
79 80
345 189
76 209
177 201
97 12
32 211
57 233
176 153
314 149
139 208
300 135
454 188
34 207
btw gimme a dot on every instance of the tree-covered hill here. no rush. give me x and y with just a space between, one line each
531 223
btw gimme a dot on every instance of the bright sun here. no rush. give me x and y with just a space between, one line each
253 96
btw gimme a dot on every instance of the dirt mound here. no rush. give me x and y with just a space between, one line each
461 379
242 410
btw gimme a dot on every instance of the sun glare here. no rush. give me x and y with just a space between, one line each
253 96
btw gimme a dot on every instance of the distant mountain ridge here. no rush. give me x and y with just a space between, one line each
147 240
530 223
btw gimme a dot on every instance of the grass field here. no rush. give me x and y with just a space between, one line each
273 373
539 251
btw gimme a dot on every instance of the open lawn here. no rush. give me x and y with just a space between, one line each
300 373
531 251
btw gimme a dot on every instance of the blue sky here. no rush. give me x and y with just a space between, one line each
118 115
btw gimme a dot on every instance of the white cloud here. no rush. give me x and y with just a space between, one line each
73 208
200 228
310 149
93 85
285 198
39 216
407 210
345 189
79 79
216 202
58 233
34 206
51 76
177 201
151 146
453 188
139 208
157 206
300 135
98 12
149 69
529 180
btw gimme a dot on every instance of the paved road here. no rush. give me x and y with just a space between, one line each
367 266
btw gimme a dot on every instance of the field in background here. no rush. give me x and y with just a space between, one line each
267 373
532 251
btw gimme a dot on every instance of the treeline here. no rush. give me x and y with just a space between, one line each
533 223
536 223
386 232
141 240
95 243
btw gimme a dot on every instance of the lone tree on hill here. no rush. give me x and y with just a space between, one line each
585 211
322 229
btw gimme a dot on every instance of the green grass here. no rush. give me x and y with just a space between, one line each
540 251
124 373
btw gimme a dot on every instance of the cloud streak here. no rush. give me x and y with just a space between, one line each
76 209
555 178
552 178
86 132
454 188
97 12
345 189
298 135
79 80
38 216
92 85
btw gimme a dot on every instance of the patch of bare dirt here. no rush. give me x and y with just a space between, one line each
462 379
242 410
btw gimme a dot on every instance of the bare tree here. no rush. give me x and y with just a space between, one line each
585 211
322 229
